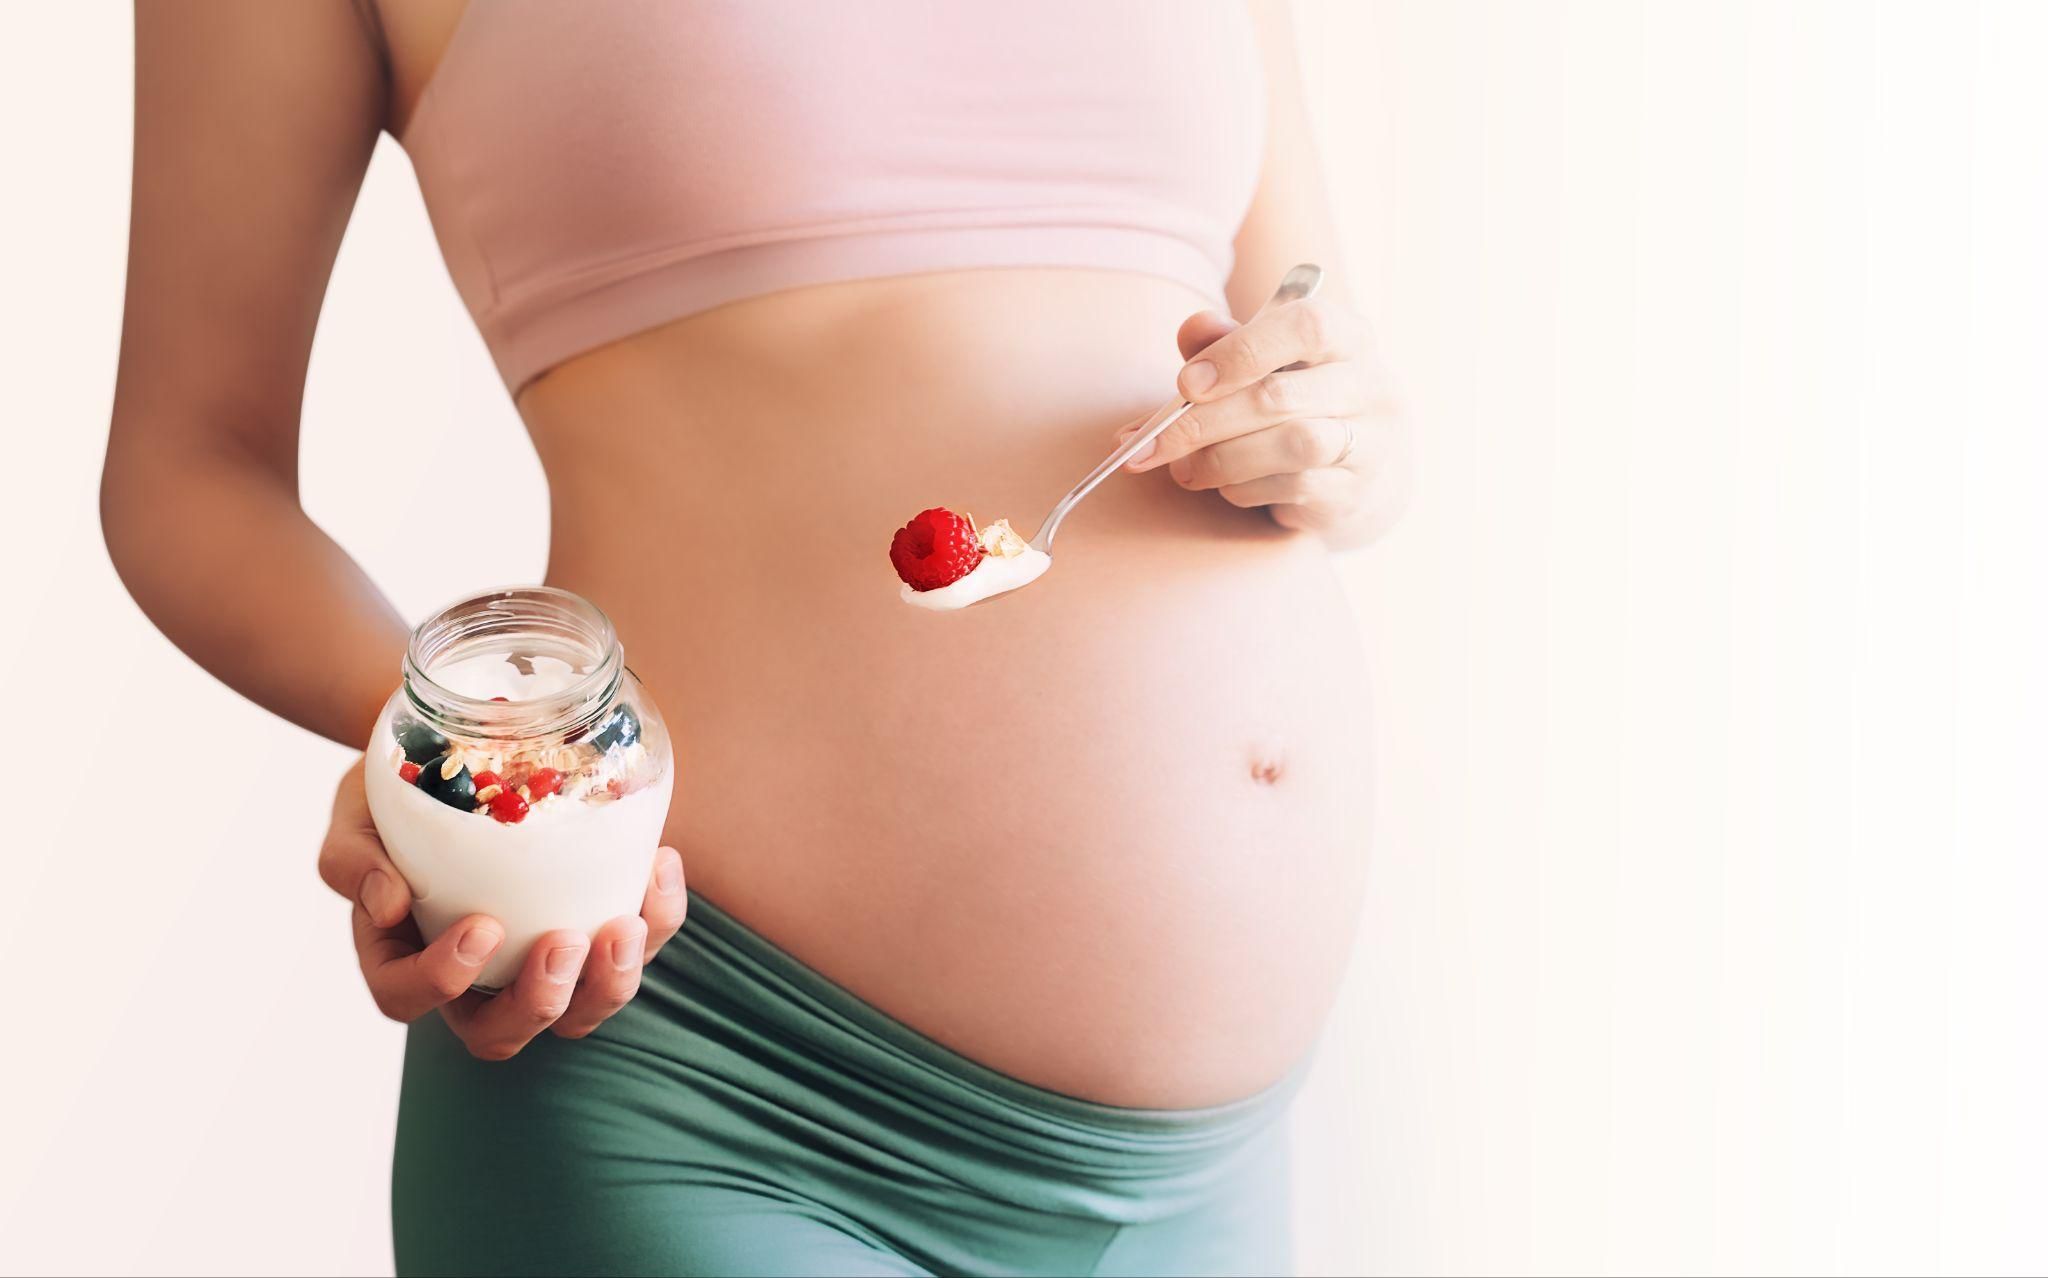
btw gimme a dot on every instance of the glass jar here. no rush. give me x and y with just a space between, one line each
520 771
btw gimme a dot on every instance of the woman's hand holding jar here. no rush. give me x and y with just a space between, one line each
503 825
569 983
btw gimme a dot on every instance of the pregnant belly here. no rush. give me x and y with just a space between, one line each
1103 834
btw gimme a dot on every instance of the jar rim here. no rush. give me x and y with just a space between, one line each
564 615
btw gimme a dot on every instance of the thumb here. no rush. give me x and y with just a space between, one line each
1203 329
1197 333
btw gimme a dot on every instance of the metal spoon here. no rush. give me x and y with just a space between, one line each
1298 285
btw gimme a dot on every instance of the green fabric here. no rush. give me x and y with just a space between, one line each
746 1116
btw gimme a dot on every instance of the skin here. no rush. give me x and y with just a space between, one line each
1123 862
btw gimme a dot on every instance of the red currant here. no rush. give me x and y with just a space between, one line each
544 782
508 807
483 779
408 772
507 700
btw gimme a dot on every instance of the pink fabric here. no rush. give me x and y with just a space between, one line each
597 169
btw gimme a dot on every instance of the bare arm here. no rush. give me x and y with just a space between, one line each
254 122
1289 219
1293 413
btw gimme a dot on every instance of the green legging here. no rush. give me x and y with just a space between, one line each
744 1115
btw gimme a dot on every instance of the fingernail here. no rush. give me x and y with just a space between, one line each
563 961
668 876
1198 377
476 944
1143 455
1180 470
378 895
626 951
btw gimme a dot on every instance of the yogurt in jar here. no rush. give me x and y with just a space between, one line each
520 771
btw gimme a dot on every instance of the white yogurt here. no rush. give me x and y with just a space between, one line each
569 864
994 575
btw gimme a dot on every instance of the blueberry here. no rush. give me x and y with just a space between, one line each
458 791
622 728
419 741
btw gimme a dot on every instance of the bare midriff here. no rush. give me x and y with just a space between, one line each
1103 834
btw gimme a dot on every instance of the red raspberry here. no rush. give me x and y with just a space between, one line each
508 807
483 779
544 782
408 772
935 549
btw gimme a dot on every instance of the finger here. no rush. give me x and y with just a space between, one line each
1385 486
1307 331
611 977
1201 330
668 900
407 981
1331 488
496 1028
352 858
1306 443
1325 390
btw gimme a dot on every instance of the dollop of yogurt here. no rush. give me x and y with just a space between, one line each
1008 562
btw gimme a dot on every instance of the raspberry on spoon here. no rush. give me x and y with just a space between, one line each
935 549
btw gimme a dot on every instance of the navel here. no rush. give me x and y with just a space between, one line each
1268 767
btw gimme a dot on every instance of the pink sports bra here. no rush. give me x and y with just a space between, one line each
594 170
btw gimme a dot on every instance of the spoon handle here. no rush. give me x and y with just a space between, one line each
1168 413
1297 284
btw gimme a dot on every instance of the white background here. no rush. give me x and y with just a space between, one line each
1702 932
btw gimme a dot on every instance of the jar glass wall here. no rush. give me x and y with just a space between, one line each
520 771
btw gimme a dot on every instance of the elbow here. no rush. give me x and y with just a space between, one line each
131 513
169 508
117 515
140 500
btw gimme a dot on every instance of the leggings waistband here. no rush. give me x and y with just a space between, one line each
773 1032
